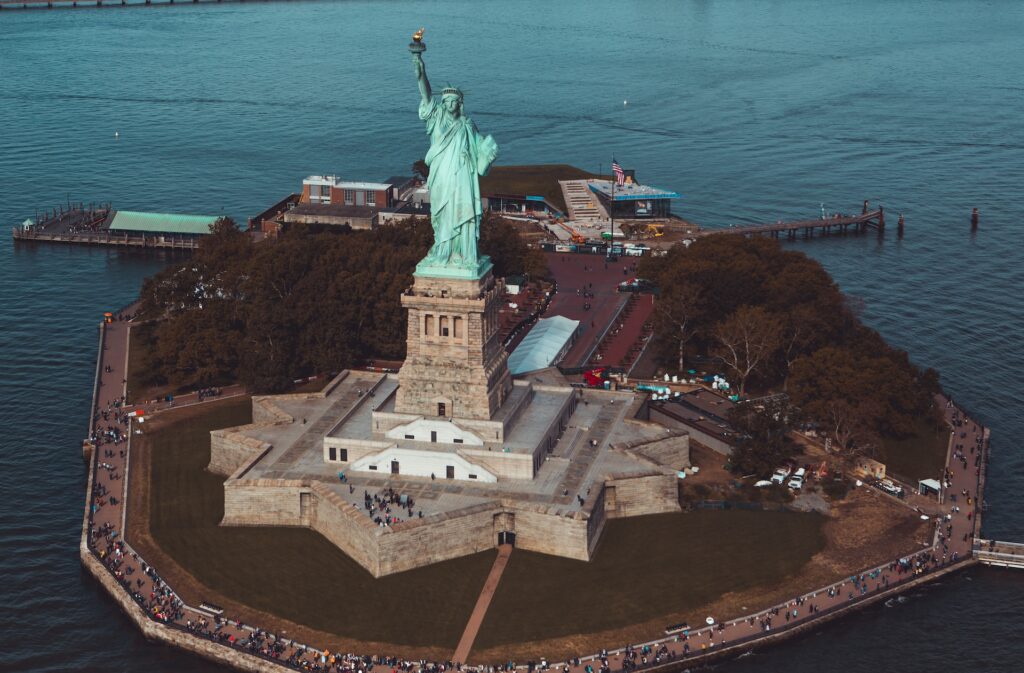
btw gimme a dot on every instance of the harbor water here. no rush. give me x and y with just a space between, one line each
753 110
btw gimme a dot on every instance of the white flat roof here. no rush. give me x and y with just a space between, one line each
372 186
542 345
326 180
335 181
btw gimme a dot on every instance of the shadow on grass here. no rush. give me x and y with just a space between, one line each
294 573
647 567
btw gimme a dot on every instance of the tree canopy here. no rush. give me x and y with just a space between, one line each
775 320
314 300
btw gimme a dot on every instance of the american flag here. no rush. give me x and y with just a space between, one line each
620 177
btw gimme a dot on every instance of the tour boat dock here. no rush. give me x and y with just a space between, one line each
838 223
102 225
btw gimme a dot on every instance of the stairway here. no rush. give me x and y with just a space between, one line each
581 202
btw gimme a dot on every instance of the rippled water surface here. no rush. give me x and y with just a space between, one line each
754 110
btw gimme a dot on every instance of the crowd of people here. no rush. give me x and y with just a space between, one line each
384 507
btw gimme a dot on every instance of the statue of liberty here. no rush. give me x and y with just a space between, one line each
458 155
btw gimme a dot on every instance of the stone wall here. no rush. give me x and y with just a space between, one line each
441 537
551 531
637 496
347 527
412 544
265 502
265 410
230 449
502 465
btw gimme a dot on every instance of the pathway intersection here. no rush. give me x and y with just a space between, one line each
105 551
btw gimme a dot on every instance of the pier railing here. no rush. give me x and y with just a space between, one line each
999 553
874 219
166 241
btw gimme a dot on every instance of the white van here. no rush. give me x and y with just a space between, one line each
797 482
779 476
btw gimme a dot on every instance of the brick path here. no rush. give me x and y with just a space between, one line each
574 272
952 545
482 603
621 345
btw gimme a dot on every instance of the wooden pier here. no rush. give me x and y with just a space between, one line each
1001 554
163 242
83 224
842 224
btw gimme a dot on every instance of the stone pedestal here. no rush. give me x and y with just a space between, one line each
455 364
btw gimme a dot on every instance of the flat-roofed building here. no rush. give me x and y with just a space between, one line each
633 200
164 225
357 217
332 190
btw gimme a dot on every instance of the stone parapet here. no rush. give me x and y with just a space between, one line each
231 449
640 495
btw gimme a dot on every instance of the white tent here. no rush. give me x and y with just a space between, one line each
544 345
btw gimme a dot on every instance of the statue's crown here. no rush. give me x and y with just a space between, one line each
451 91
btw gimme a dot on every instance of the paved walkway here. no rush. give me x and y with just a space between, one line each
583 280
111 428
111 469
482 603
622 345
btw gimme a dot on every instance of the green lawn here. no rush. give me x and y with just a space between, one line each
294 572
644 567
920 456
647 567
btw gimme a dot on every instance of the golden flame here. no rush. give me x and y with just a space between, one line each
418 36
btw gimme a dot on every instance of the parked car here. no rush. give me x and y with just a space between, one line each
797 482
889 487
779 476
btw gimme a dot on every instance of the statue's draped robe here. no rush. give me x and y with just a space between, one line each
457 155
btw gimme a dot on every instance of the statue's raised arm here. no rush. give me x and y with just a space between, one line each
417 48
421 77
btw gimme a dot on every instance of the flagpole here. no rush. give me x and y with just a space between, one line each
611 220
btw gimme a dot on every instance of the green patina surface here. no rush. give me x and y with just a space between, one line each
161 223
457 157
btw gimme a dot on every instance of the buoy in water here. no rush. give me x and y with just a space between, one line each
625 102
117 134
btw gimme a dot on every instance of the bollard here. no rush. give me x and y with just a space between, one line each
974 219
899 226
881 219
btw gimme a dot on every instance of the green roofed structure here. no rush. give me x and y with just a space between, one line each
165 224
